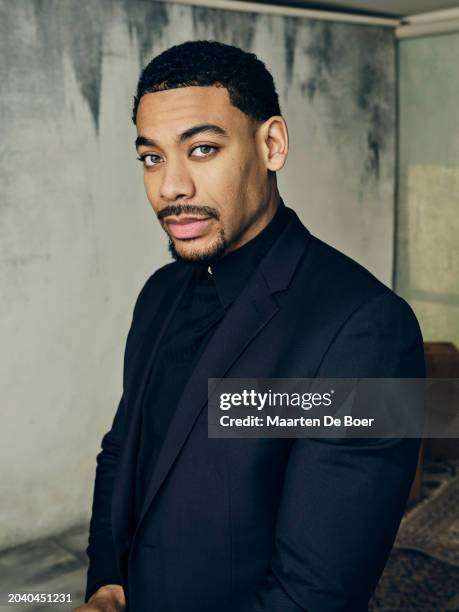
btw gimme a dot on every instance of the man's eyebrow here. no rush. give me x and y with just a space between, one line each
145 142
208 128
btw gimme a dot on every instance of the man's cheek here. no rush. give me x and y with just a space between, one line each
152 194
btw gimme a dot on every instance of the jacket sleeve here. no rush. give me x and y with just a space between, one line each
343 500
103 567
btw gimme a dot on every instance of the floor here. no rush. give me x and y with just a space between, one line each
58 565
53 565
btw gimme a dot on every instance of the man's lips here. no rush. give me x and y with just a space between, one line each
188 227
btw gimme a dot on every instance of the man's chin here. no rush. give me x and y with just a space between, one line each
192 254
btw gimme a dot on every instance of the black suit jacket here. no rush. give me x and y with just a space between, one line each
259 525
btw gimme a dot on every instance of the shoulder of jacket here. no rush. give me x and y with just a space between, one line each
340 274
162 280
166 275
349 283
338 261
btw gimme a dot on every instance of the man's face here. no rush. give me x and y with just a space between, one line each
207 185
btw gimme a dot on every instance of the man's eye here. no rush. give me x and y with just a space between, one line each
205 150
149 160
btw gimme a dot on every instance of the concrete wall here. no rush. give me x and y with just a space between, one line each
427 263
77 236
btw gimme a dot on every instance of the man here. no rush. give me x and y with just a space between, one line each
184 523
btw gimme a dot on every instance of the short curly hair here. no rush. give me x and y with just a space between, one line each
207 62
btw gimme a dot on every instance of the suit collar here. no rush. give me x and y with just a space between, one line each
279 264
231 272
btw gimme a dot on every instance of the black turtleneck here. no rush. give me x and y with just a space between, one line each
211 291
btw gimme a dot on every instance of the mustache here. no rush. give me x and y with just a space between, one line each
191 209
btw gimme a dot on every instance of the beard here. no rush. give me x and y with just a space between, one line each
204 256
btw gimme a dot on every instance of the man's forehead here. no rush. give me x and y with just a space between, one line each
185 106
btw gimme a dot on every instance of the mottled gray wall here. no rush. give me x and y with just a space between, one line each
78 238
427 262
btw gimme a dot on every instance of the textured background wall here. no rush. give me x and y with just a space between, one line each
78 239
427 263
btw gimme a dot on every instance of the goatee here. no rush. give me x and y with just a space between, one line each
209 256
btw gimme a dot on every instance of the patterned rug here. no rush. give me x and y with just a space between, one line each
432 527
422 574
413 582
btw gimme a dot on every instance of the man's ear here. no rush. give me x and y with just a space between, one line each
273 135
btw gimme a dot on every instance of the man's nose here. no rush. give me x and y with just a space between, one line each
176 182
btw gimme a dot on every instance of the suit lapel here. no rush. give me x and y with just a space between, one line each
159 321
